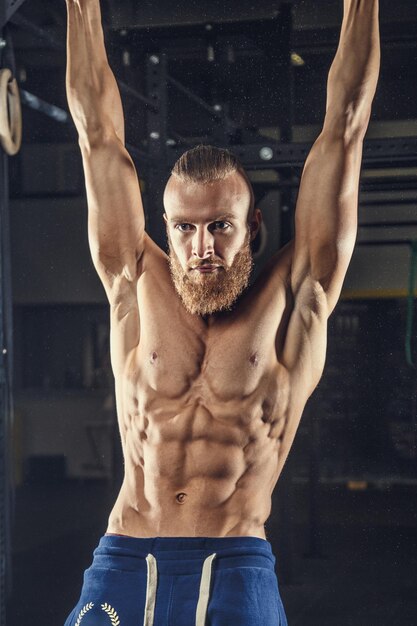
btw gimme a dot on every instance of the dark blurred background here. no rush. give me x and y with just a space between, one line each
251 76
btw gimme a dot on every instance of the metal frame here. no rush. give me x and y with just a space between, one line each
272 155
270 35
157 134
255 151
6 398
7 8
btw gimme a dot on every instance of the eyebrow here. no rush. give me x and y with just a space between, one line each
183 218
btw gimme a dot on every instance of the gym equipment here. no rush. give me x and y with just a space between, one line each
10 131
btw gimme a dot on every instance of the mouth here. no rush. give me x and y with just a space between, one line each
207 269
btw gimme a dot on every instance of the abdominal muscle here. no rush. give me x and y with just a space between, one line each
196 472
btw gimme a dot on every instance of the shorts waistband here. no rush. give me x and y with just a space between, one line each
183 555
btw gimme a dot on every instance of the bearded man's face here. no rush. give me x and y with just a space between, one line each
209 241
204 292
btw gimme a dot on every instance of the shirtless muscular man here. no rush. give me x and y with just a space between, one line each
211 375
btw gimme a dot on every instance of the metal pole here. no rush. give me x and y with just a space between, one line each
6 402
157 137
6 347
286 123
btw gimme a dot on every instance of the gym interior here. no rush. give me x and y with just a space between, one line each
250 76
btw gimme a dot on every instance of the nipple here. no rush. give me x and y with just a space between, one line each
180 497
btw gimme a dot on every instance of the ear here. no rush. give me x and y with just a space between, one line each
255 223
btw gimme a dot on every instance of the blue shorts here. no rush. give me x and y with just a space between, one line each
180 581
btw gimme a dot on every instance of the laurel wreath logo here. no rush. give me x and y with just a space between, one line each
83 611
111 613
114 618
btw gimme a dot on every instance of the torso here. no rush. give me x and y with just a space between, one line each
204 409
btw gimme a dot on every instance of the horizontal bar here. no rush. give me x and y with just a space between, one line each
350 294
37 104
387 224
273 155
60 115
323 39
389 202
388 242
19 20
7 9
153 35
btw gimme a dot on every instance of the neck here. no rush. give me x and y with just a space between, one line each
208 318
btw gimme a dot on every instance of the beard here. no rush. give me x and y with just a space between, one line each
208 293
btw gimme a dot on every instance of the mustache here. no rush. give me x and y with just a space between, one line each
210 261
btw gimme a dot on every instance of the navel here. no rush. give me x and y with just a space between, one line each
254 359
153 357
180 497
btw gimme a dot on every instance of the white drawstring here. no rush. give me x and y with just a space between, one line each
203 598
152 580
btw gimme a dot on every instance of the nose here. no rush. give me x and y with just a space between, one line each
203 243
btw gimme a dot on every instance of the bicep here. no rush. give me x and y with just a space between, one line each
303 348
301 338
116 224
326 214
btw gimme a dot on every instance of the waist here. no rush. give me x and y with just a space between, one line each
172 518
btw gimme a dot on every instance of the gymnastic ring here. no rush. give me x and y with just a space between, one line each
10 123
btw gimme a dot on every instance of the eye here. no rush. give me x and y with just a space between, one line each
184 227
221 225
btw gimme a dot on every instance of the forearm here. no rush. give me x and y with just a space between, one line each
354 72
92 92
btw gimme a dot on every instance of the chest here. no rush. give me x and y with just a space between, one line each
179 355
226 365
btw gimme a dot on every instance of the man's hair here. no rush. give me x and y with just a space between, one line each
206 164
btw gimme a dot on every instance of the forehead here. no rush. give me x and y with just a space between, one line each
206 200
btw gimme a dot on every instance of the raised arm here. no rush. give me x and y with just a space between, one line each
115 212
326 211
